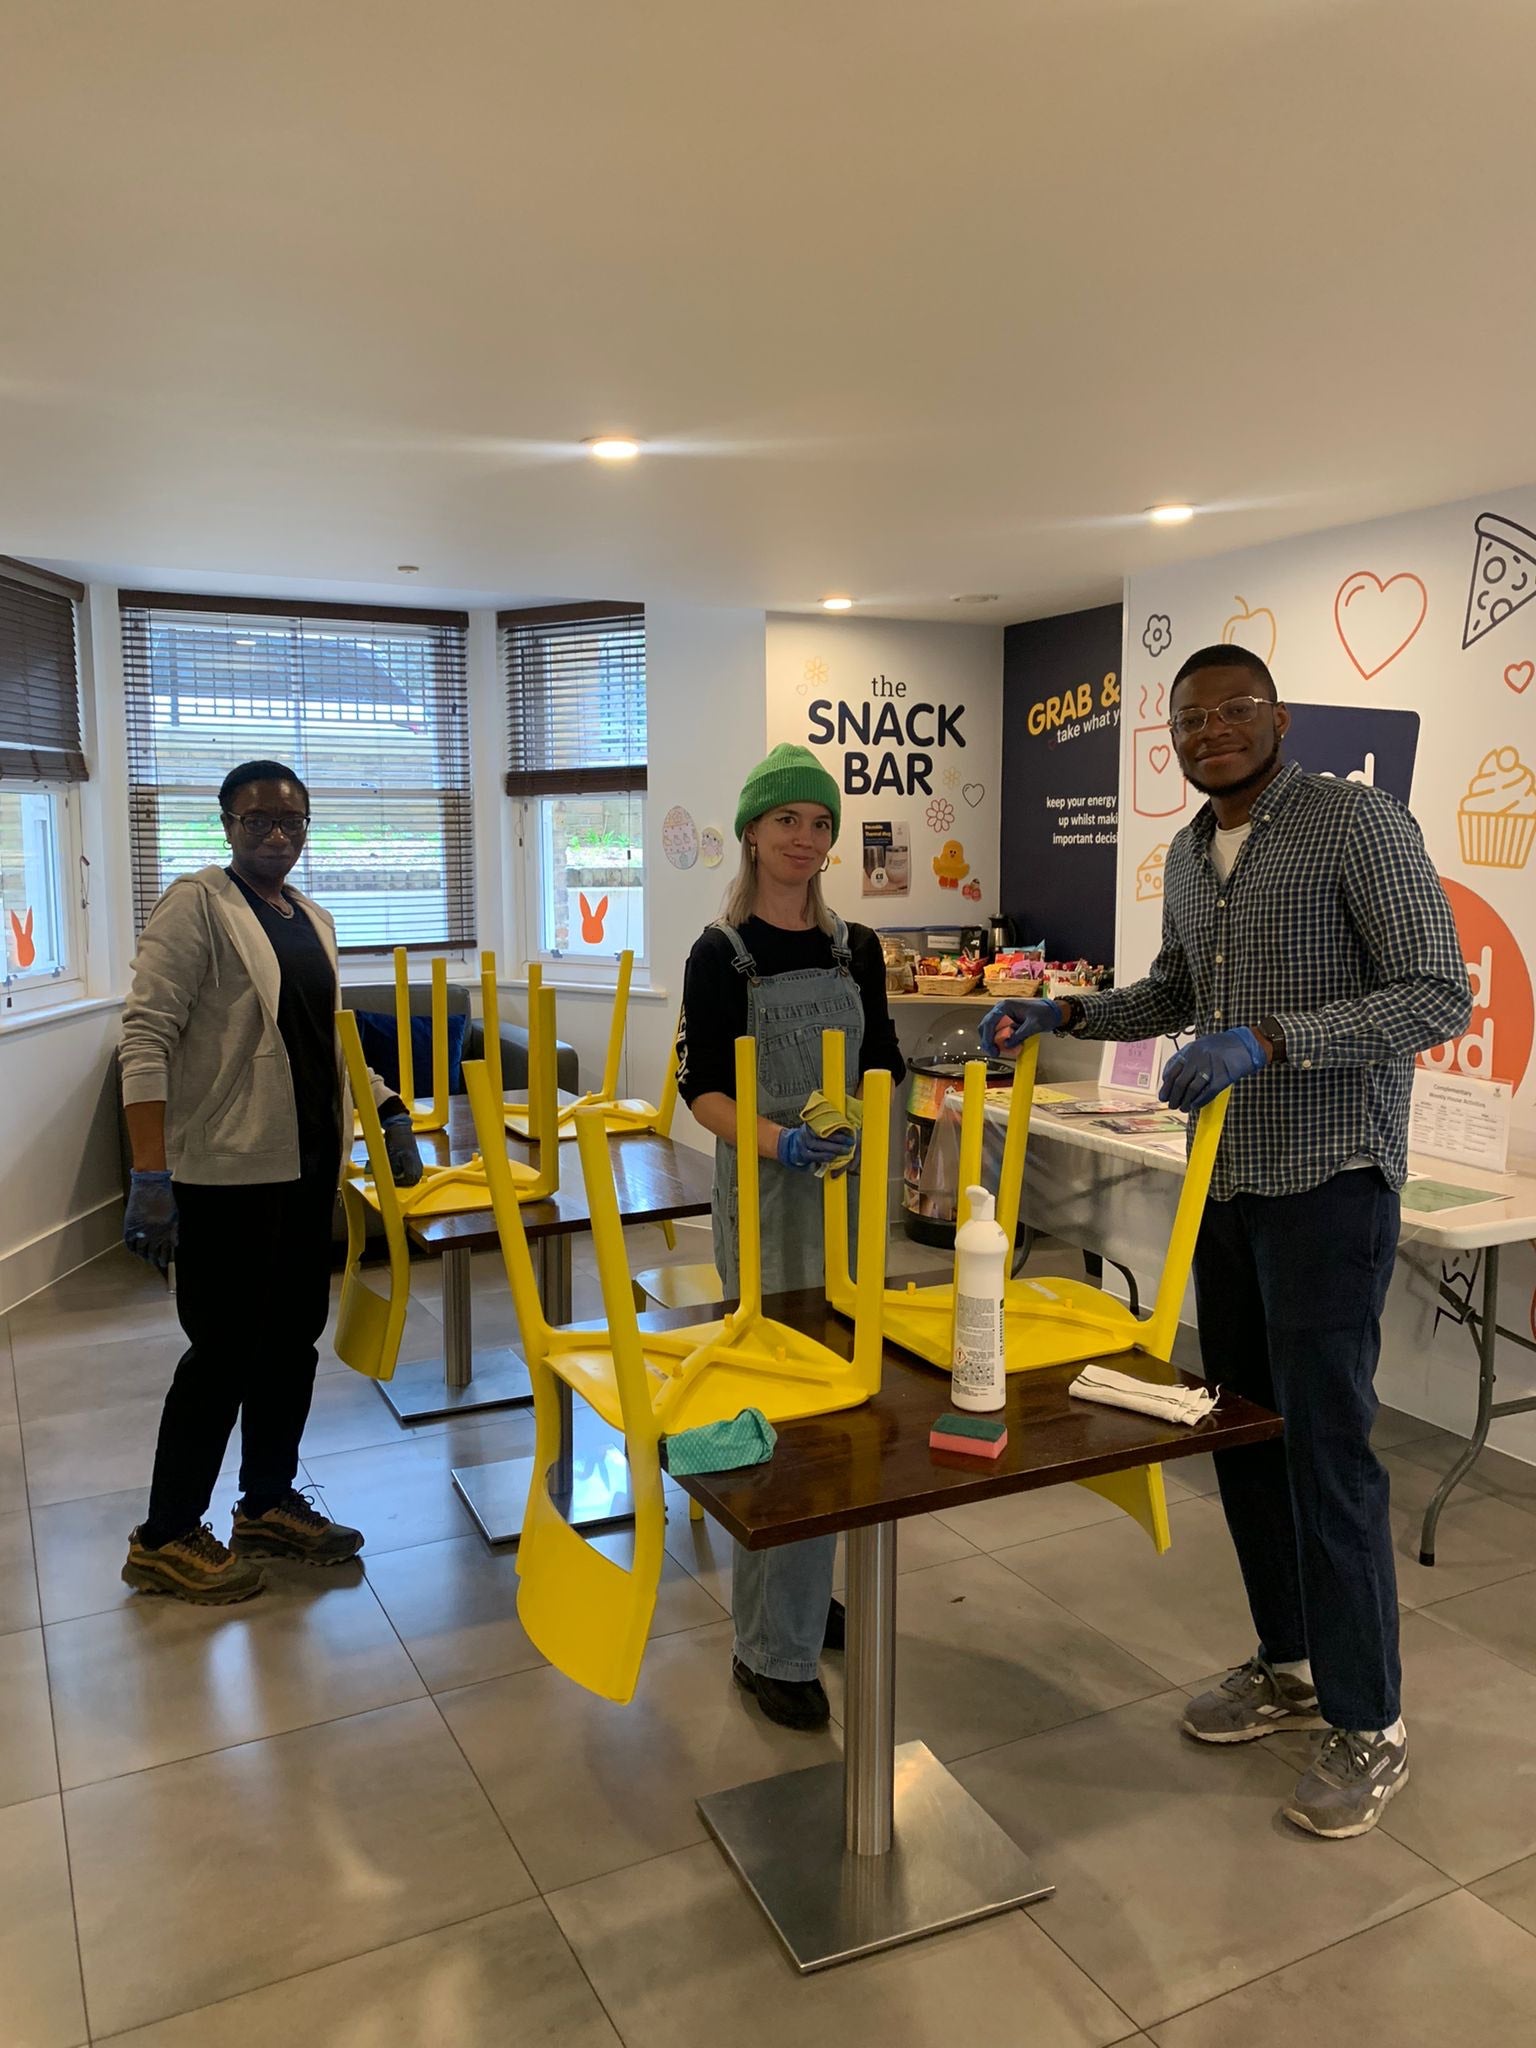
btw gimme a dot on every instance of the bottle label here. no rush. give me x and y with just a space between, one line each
978 1342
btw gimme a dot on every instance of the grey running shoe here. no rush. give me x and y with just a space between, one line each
295 1529
1252 1701
1349 1784
193 1567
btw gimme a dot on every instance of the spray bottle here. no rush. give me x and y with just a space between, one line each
979 1381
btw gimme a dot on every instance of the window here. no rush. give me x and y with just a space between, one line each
41 758
576 762
370 709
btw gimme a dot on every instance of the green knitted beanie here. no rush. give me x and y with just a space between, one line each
790 775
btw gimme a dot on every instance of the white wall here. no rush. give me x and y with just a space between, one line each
1374 620
889 668
61 1190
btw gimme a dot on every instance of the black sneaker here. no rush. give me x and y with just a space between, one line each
793 1703
836 1637
193 1567
296 1529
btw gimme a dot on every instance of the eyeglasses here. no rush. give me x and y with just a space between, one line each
1231 711
258 824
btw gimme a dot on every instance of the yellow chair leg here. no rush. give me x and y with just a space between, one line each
1140 1494
695 1510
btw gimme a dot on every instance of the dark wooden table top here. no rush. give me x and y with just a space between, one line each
656 1181
873 1464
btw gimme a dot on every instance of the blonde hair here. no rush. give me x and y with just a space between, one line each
741 897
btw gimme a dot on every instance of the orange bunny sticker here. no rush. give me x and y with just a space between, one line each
592 921
23 945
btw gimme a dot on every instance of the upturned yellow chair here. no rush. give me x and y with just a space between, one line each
586 1614
1045 1322
369 1324
627 1114
709 1372
457 1190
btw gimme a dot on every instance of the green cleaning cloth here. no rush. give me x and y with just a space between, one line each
722 1446
822 1116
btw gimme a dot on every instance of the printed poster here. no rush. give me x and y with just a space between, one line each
887 857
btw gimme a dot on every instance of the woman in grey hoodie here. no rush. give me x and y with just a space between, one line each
237 1112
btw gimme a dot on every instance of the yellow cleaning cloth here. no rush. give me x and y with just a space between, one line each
822 1115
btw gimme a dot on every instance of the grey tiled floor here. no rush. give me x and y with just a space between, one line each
363 1813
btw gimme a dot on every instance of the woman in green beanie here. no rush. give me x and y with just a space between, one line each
778 965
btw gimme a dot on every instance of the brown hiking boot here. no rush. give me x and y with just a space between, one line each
295 1529
193 1567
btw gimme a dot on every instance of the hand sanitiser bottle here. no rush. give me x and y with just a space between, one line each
979 1379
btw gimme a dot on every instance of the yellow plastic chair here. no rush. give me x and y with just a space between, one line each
1055 1322
369 1325
588 1615
711 1371
459 1190
628 1114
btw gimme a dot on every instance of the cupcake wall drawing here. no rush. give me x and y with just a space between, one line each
1497 816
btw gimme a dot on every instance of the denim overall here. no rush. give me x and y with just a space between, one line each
780 1597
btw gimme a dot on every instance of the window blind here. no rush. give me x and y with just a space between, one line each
368 707
575 677
39 679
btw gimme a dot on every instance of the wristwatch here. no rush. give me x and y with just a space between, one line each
1274 1031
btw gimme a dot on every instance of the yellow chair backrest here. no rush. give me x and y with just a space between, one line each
588 1615
369 1325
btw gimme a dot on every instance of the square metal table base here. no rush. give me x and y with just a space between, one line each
949 1861
598 1495
420 1393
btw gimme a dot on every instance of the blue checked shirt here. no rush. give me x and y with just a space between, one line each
1334 923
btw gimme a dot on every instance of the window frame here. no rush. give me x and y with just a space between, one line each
571 781
600 971
356 959
26 992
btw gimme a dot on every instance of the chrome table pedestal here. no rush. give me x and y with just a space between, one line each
884 1847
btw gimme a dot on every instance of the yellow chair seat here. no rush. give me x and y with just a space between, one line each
694 1286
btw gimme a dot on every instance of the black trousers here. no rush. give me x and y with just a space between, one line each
253 1290
1290 1291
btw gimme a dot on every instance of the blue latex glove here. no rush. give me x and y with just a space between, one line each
1025 1020
1198 1074
149 1222
404 1153
801 1150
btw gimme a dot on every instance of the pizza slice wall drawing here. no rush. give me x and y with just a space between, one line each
1503 574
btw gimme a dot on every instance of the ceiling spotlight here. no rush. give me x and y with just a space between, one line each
1170 515
837 604
408 568
612 447
977 597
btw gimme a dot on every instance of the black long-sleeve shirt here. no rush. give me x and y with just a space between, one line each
715 1000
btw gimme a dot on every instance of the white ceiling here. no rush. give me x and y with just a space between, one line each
908 297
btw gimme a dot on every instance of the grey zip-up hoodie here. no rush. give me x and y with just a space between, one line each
200 1035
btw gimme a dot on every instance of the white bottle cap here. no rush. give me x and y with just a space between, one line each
980 1200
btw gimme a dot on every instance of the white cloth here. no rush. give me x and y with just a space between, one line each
1123 1390
1227 845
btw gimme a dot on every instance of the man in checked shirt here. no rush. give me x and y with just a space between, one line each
1309 946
